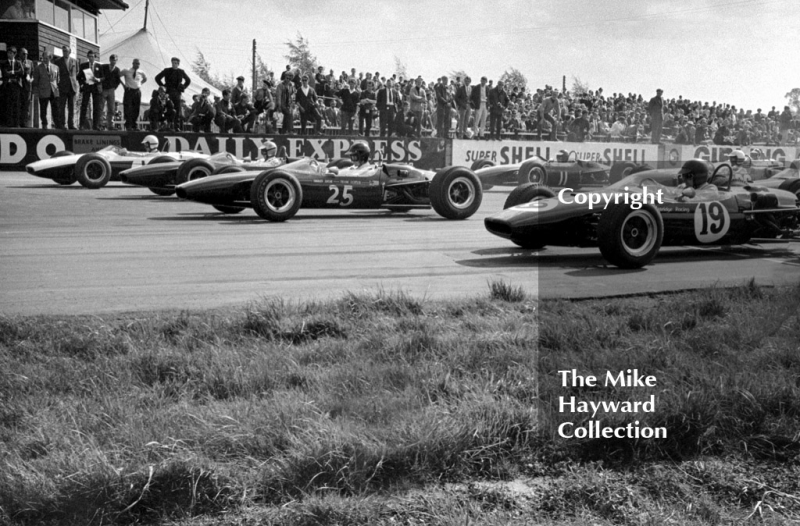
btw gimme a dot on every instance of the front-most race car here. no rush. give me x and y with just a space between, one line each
96 169
630 235
277 194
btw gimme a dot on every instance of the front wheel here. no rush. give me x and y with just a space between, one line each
455 193
526 193
630 238
93 171
276 195
193 169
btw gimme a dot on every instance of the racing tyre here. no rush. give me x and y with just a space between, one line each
193 169
228 170
93 171
630 238
620 171
526 193
455 193
531 172
340 163
276 195
481 163
162 191
228 209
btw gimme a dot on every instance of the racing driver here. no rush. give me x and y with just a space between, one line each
740 164
150 143
358 153
268 148
695 185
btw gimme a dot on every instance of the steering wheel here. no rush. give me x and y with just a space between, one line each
719 169
573 154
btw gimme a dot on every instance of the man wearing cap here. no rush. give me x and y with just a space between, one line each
175 80
90 78
111 81
237 91
656 109
67 88
132 98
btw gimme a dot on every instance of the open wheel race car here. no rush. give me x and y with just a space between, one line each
96 169
163 174
277 194
535 216
565 171
787 179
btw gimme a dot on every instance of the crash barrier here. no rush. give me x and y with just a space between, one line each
19 147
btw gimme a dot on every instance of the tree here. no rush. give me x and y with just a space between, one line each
300 56
263 71
514 77
579 87
794 99
400 68
458 73
202 68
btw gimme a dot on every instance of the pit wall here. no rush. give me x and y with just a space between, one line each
19 147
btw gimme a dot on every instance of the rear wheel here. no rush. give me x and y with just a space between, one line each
93 171
531 172
630 238
193 169
455 193
276 195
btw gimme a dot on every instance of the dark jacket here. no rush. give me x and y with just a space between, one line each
173 79
497 100
97 71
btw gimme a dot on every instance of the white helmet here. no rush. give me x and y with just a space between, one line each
269 148
738 158
151 143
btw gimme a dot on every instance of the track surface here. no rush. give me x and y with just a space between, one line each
69 250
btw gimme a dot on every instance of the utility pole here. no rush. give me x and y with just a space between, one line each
255 70
146 9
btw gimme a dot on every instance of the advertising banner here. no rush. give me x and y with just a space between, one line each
21 147
466 152
677 153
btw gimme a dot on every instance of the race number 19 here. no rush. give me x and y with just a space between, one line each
711 222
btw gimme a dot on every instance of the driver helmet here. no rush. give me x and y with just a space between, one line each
150 143
697 169
562 156
268 148
738 158
358 152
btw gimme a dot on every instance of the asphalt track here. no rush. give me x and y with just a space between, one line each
69 250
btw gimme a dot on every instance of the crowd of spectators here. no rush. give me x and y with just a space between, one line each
373 104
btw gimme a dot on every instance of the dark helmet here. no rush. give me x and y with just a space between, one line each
562 156
698 169
360 151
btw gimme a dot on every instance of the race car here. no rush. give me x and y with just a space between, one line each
762 167
96 169
164 174
787 179
276 194
566 171
630 235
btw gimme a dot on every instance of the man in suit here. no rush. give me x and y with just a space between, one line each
388 98
67 88
45 87
463 107
90 78
498 101
203 113
444 103
656 109
349 98
12 82
175 81
111 81
284 96
418 98
307 102
25 98
478 98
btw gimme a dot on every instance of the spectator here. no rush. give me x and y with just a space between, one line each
45 86
12 80
307 104
579 127
418 99
498 101
284 96
162 110
320 82
367 102
203 113
618 128
68 68
90 79
286 72
462 101
407 121
111 80
785 125
25 95
444 103
238 90
175 81
264 102
479 99
226 118
349 99
246 113
546 113
132 98
388 98
656 110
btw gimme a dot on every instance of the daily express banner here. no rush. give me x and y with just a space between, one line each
466 152
20 148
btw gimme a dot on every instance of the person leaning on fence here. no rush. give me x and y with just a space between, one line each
132 79
45 86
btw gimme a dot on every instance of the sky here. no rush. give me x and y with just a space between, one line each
739 52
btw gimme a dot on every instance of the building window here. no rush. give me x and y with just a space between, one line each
90 27
62 16
44 11
77 22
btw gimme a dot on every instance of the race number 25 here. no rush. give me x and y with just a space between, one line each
711 221
346 197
